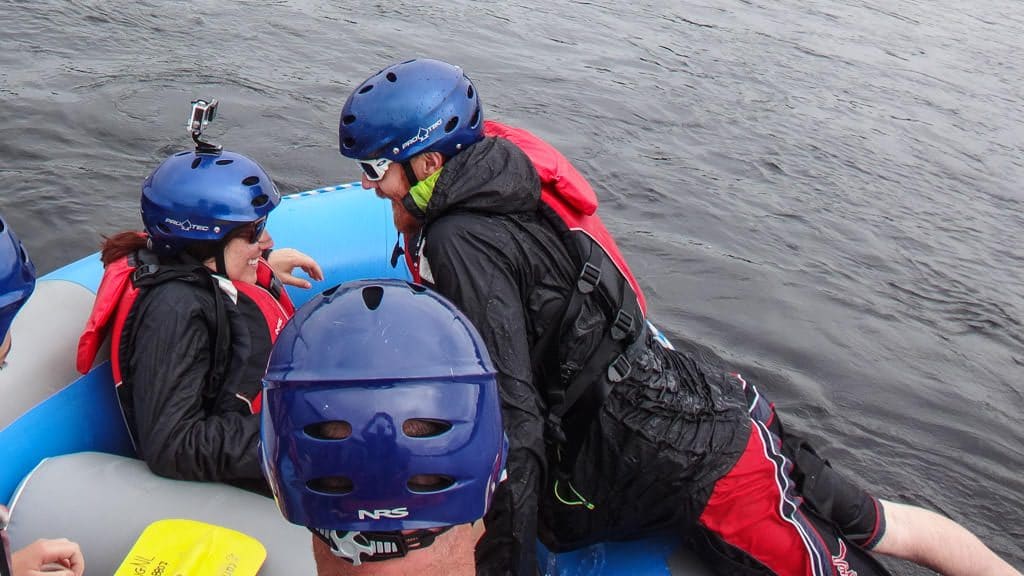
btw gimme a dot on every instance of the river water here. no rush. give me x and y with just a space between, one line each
827 192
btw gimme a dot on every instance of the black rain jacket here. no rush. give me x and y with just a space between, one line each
661 438
185 425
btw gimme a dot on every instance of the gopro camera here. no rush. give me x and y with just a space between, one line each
203 113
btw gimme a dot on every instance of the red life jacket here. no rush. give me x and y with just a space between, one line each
567 192
117 294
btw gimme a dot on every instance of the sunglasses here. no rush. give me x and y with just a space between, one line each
374 169
256 230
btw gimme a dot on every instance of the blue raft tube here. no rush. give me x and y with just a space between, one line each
68 466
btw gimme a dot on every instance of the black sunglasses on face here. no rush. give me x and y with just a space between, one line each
257 230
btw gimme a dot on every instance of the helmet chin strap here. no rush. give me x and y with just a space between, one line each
410 174
357 547
407 201
222 268
410 206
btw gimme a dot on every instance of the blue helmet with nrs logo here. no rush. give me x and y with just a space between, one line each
381 413
201 197
17 277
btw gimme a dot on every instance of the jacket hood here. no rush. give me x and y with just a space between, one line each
492 176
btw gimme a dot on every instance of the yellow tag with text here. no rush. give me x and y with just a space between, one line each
177 547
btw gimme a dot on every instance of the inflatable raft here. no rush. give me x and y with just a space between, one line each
67 466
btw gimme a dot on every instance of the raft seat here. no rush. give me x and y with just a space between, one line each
104 501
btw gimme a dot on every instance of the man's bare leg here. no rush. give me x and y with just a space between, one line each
936 542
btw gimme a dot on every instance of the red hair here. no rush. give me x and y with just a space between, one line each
120 245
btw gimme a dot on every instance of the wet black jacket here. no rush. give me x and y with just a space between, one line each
185 425
662 437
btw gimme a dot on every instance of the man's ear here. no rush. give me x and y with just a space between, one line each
428 163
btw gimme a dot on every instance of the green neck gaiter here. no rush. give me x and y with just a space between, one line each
424 189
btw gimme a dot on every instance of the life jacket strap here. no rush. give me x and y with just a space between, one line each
582 389
148 275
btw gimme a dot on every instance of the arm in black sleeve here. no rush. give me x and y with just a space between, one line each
169 368
478 276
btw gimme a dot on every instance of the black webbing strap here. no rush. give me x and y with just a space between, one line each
147 275
585 387
409 203
599 274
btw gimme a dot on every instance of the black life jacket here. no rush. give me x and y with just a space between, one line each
578 368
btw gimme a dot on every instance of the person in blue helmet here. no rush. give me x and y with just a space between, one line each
613 433
192 308
17 281
381 436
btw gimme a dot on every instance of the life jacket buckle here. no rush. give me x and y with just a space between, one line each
622 326
554 431
589 277
143 271
619 369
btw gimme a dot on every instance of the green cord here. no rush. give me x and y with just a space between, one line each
580 499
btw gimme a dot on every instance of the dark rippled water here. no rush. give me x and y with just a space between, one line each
828 192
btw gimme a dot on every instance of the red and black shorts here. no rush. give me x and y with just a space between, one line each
783 510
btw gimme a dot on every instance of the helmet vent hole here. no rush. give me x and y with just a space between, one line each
451 124
348 119
372 295
425 427
224 161
475 120
251 181
196 162
182 153
24 255
469 92
330 291
391 77
163 228
426 483
348 142
333 430
366 89
260 200
331 485
417 288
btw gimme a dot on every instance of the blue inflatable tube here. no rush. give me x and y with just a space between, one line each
47 409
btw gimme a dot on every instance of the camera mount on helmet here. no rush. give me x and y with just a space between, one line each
203 113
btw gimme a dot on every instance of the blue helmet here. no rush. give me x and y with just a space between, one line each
416 106
201 197
350 377
17 276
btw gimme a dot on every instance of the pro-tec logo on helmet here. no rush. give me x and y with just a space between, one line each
187 225
401 512
422 135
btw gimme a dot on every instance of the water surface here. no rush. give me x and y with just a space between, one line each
827 192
